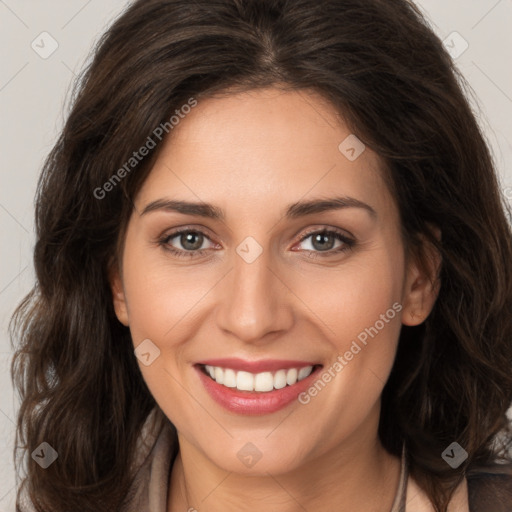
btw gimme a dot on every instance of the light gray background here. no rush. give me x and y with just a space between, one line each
33 94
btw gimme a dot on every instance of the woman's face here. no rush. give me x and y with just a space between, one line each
257 292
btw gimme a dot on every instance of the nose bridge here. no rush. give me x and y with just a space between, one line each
253 298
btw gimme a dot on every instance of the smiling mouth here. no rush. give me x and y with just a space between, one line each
262 382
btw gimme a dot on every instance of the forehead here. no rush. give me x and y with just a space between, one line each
264 147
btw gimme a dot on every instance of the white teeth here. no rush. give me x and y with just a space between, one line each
244 381
219 375
229 378
280 379
291 376
264 382
211 371
305 372
259 382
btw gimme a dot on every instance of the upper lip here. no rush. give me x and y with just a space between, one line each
262 365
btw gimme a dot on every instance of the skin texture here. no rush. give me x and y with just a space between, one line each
252 154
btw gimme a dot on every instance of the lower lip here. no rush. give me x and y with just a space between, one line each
252 402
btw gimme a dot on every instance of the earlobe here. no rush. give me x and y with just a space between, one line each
422 285
118 295
419 302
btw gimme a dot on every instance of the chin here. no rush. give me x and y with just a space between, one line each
259 457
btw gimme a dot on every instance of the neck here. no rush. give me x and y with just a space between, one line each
351 477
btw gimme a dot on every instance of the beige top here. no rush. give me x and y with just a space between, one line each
154 459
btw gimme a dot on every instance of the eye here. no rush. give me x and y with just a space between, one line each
190 239
323 241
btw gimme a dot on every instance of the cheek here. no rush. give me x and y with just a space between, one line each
161 306
162 299
352 298
359 309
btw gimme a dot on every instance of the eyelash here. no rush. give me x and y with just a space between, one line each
348 243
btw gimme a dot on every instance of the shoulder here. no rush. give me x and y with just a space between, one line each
490 488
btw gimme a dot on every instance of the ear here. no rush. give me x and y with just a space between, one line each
422 284
118 295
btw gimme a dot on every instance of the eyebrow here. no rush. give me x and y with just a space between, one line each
292 211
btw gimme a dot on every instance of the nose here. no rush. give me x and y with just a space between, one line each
254 301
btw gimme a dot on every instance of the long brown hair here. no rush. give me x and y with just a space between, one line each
389 76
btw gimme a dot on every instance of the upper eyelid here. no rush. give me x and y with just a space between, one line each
328 229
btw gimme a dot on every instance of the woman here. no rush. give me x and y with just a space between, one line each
273 271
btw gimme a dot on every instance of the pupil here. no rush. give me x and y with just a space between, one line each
320 237
188 238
